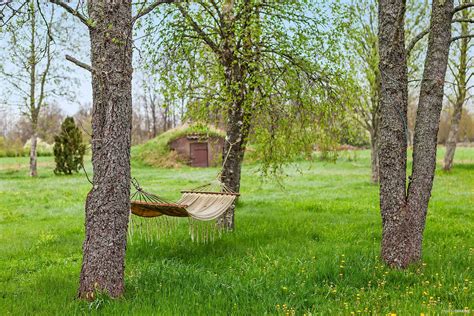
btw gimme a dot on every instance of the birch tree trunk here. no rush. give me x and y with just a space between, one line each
154 132
33 154
234 150
240 96
452 140
32 106
108 203
404 210
39 54
149 133
374 157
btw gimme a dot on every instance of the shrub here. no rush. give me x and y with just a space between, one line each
42 147
68 148
12 148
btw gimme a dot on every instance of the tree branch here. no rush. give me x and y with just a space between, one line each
463 20
455 38
79 63
14 12
463 6
415 40
199 30
44 20
49 58
144 11
423 33
72 11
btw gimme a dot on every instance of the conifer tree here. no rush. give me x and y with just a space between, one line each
68 148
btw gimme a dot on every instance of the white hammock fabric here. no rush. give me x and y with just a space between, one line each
205 206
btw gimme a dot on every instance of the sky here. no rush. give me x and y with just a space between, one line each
72 38
75 37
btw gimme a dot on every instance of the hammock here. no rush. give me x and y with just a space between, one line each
200 203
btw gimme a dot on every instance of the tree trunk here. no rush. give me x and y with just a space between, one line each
427 118
149 133
451 142
165 116
108 203
374 158
154 131
404 213
233 156
236 136
392 133
153 106
33 154
240 82
34 112
234 146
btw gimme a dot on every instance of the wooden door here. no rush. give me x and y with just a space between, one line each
199 156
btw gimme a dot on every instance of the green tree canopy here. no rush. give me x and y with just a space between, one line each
290 58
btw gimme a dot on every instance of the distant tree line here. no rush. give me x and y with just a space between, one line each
16 131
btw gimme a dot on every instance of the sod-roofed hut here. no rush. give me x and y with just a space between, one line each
198 149
196 145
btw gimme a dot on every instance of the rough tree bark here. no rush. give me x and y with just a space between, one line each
108 202
392 133
404 210
451 142
427 119
107 206
233 155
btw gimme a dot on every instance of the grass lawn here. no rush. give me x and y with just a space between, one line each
310 247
